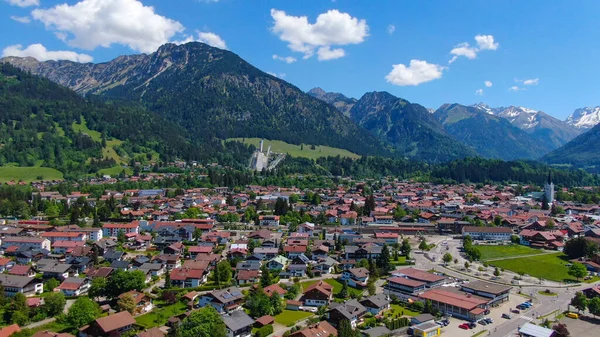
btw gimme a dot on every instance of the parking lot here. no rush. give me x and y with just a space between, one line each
584 326
495 313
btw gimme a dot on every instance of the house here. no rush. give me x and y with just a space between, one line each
387 237
153 332
59 271
294 250
143 303
198 250
368 251
318 294
267 252
307 227
6 264
376 304
112 230
321 329
277 263
293 305
457 304
248 276
102 272
169 260
224 300
64 236
22 270
553 240
9 330
378 331
112 325
321 252
176 248
325 266
187 278
74 286
356 277
274 289
238 324
155 269
26 243
268 220
498 234
28 286
422 318
350 310
264 320
496 293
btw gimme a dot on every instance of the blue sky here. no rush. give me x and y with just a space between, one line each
546 51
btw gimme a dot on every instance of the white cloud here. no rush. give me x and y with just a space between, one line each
533 81
94 23
391 29
326 53
21 19
286 59
479 92
516 88
209 38
332 28
416 73
488 84
484 42
24 3
40 53
280 75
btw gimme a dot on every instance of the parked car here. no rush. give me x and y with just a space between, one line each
472 325
489 320
507 316
516 311
464 326
572 315
483 322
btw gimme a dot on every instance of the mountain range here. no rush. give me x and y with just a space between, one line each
209 94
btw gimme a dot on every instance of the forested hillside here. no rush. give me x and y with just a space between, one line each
37 119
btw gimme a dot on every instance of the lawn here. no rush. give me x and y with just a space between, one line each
290 317
159 316
402 311
495 252
401 261
297 150
109 150
115 171
307 284
29 174
548 266
337 287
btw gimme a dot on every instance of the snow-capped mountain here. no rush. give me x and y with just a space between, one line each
585 118
538 123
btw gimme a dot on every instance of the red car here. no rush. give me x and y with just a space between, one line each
464 326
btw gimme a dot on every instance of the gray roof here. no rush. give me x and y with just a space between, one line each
248 265
377 331
227 295
16 281
378 300
535 330
237 320
56 268
423 318
348 309
488 287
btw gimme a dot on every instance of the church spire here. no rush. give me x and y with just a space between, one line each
549 177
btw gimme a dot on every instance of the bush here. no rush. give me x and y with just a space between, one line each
264 331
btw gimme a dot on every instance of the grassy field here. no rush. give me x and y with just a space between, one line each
29 174
495 252
402 311
548 266
401 261
298 150
290 317
337 287
109 150
160 316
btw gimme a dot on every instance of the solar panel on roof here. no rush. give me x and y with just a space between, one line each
226 296
236 293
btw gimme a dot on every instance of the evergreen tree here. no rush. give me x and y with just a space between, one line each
266 279
383 261
344 292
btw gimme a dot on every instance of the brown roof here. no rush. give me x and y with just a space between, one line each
264 320
116 321
154 332
320 286
51 334
359 272
9 330
321 329
458 300
420 275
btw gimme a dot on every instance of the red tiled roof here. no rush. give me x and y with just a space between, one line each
457 300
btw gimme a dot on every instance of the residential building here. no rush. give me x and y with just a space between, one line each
321 329
356 277
277 263
143 303
112 230
26 242
224 300
268 220
318 294
28 286
498 234
376 304
74 286
238 324
350 310
112 325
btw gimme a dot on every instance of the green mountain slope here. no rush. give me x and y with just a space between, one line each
410 127
491 136
43 123
213 93
583 151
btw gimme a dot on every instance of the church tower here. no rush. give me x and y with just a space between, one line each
549 189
